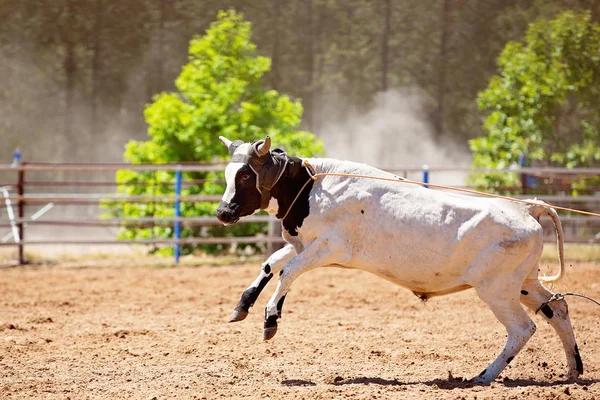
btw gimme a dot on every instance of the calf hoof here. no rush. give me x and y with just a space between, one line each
270 327
268 333
573 376
482 379
238 315
578 364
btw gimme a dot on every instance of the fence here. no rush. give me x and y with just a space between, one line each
24 194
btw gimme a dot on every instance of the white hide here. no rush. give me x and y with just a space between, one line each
230 172
423 239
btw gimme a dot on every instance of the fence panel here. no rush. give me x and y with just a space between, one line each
24 193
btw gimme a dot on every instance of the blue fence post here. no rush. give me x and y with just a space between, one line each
16 158
177 225
425 175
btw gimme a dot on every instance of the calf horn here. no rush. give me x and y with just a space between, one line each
263 147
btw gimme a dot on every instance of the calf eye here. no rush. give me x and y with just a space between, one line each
245 177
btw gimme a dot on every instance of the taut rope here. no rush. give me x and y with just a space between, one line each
560 296
316 175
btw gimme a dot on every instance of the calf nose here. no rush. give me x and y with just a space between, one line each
221 210
223 213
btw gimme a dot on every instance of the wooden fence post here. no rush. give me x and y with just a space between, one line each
21 211
274 230
524 185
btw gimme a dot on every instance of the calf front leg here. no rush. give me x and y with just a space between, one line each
272 266
322 251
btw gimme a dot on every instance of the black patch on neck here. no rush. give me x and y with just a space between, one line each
509 359
285 191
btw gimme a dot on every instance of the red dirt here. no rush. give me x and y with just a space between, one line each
162 333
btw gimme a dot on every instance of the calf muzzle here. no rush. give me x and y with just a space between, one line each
227 213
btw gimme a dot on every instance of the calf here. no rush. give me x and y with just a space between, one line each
431 242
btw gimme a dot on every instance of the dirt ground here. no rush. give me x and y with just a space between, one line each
75 331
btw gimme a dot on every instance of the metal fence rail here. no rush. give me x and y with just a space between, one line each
21 194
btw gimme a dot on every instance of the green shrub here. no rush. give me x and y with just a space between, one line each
219 93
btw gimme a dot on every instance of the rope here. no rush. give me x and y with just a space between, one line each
315 175
296 198
560 296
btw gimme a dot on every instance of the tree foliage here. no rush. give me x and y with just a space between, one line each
86 69
544 102
220 92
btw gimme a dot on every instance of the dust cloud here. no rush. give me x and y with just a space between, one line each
395 134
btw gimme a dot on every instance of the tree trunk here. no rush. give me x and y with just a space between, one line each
350 74
275 54
387 17
315 117
160 45
155 61
438 122
69 69
96 67
309 48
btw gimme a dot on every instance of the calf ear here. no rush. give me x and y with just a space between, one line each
225 141
231 146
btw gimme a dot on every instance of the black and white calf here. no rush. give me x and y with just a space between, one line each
431 242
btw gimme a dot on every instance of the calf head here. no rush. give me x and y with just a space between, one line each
250 175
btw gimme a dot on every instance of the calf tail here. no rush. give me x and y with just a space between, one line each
537 210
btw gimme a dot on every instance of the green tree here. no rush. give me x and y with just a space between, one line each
543 104
220 93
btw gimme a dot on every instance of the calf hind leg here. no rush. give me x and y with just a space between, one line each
505 306
533 295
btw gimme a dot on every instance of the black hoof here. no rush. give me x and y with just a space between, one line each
238 315
270 327
268 333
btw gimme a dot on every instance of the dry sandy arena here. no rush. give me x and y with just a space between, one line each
108 332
